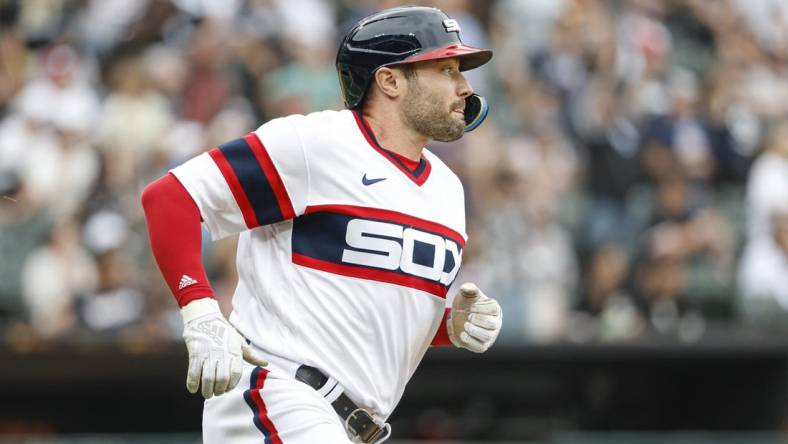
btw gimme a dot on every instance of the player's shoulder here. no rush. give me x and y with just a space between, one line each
312 131
318 120
329 116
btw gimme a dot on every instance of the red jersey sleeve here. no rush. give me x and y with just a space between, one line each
174 229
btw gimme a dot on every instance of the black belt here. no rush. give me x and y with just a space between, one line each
357 420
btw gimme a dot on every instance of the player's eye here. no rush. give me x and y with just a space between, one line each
449 70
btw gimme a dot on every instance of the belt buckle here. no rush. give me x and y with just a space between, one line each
364 436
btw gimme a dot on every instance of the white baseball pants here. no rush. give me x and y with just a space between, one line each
269 406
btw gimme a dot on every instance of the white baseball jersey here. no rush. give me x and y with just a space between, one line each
345 254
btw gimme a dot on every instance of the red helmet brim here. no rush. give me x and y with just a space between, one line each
469 56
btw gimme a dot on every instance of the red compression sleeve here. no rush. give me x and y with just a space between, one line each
176 238
442 335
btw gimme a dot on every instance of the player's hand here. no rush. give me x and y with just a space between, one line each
216 349
474 320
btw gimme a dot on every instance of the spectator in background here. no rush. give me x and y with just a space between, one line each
65 82
682 131
207 87
165 72
524 29
255 56
115 305
24 128
735 132
562 65
52 278
62 175
306 82
23 228
643 51
50 146
104 22
608 297
768 20
612 143
546 265
134 119
685 259
236 118
12 65
41 21
307 79
522 239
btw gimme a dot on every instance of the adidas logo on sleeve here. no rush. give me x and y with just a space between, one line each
186 280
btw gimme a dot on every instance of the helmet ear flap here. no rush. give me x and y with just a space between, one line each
476 110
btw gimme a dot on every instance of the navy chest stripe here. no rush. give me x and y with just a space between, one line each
390 216
363 243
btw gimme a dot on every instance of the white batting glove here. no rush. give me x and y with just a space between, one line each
474 320
216 349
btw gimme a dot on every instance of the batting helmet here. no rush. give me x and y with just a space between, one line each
403 35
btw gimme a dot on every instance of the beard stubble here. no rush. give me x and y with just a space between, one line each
423 111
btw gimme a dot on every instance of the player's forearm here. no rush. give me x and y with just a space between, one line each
173 221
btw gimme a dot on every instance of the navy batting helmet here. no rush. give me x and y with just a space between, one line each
403 35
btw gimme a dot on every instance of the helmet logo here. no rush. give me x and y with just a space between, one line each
451 25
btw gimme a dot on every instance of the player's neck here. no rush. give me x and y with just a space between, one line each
393 135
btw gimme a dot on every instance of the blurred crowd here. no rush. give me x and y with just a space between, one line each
632 178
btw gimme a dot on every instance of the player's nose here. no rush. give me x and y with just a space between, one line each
464 89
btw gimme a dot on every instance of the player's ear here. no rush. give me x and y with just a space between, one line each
389 81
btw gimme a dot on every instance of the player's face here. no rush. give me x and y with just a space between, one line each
435 100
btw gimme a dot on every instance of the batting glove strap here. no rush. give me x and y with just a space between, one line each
475 320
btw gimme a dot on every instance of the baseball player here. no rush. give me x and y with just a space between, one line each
350 234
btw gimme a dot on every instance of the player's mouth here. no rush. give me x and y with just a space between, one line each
459 108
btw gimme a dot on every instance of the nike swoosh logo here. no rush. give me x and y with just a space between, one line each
369 182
